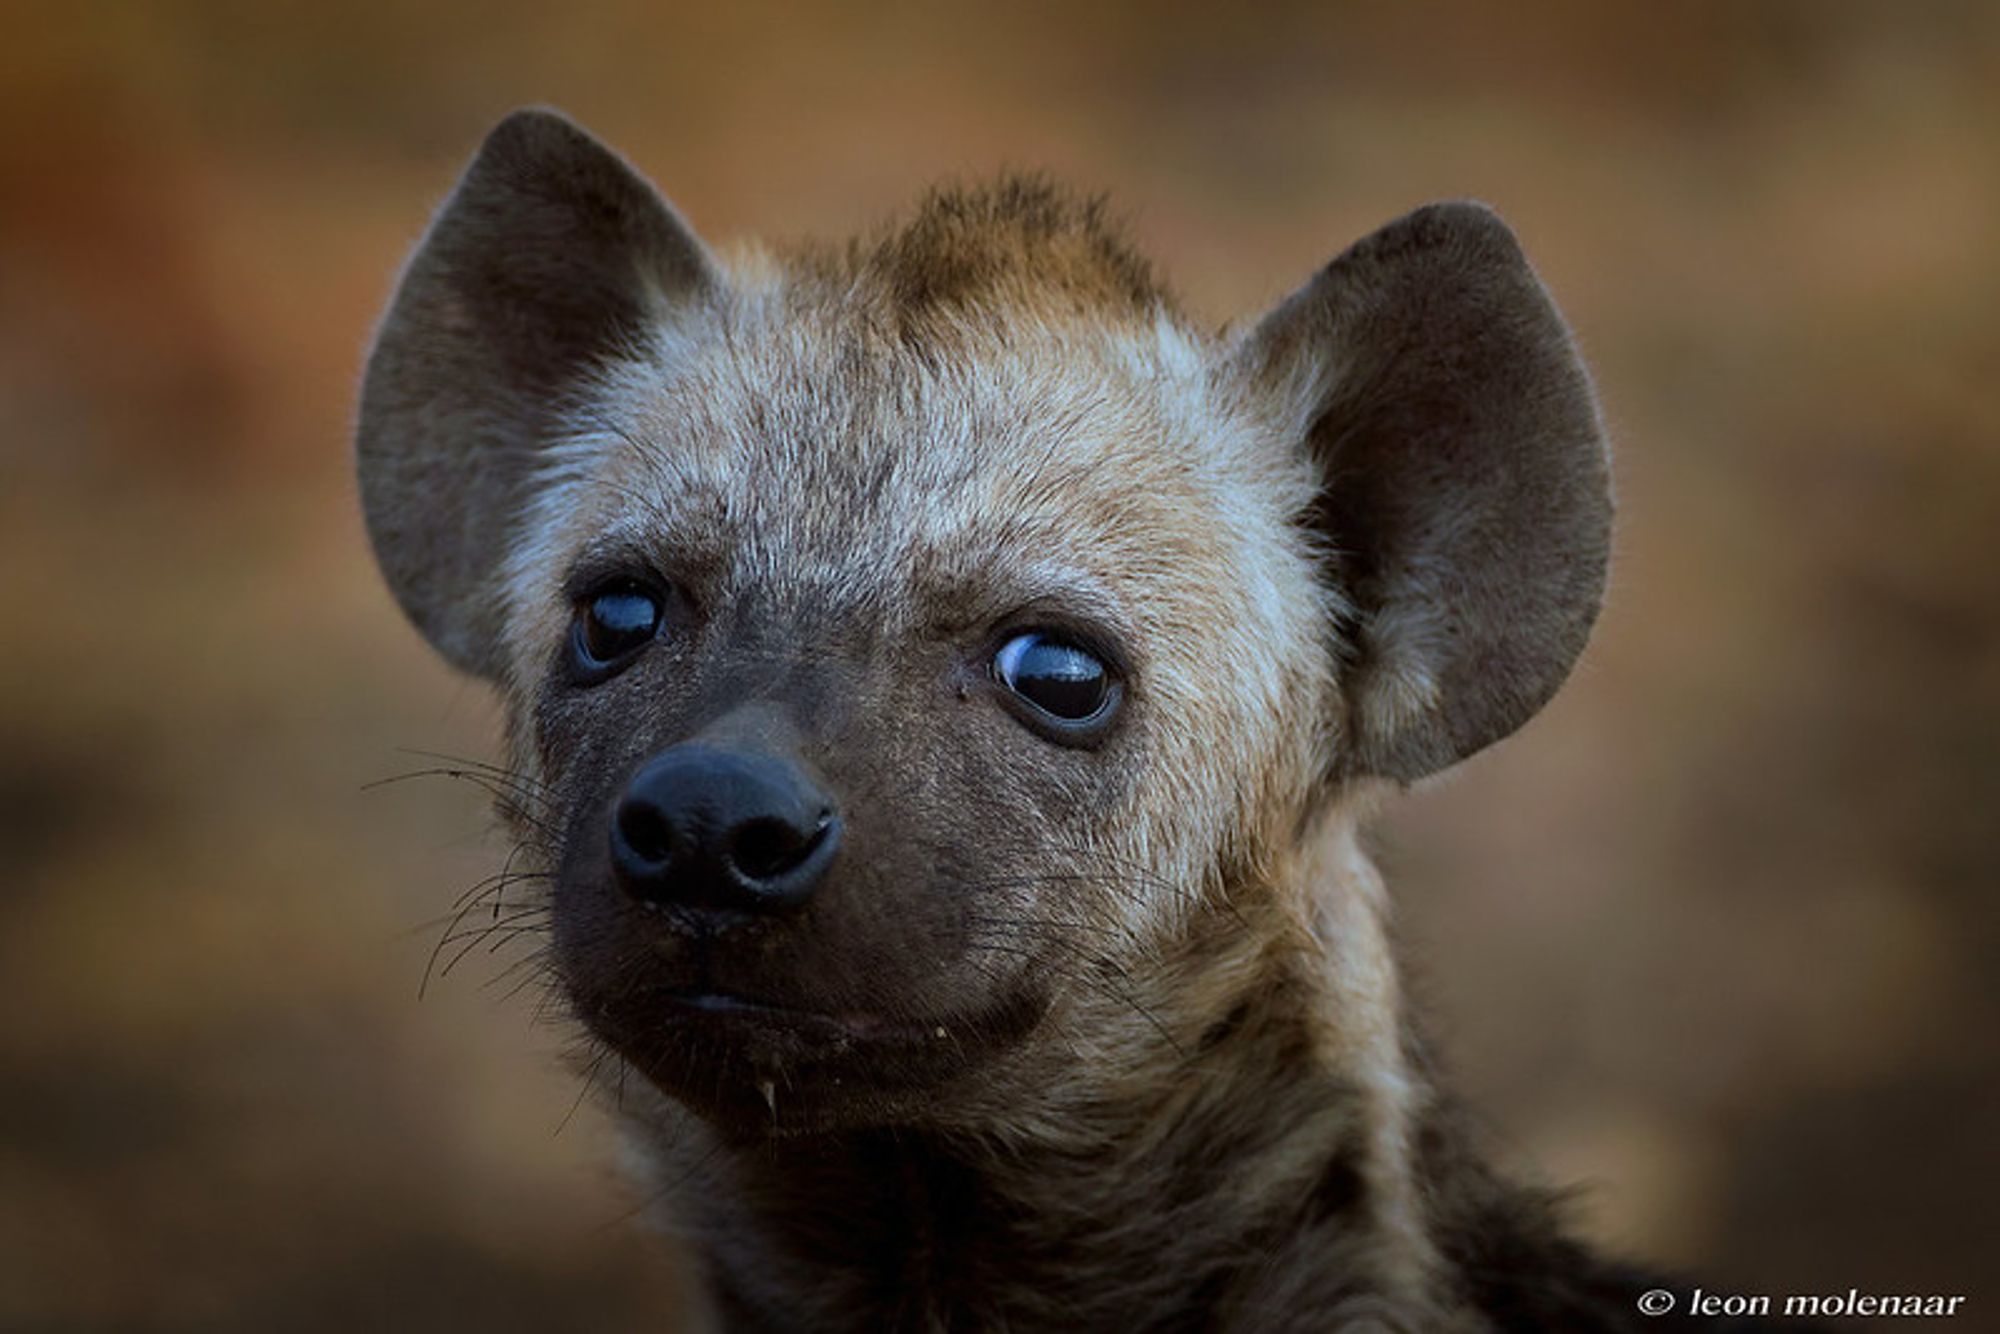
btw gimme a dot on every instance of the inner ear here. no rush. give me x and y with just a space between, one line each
1465 502
551 257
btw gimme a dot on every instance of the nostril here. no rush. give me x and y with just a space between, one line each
767 848
646 832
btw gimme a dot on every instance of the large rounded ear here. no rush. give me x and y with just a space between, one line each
1466 503
550 256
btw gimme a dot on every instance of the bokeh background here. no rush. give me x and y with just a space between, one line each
1714 940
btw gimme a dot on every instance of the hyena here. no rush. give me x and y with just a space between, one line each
943 683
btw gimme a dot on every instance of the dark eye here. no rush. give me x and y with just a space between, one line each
1067 684
612 624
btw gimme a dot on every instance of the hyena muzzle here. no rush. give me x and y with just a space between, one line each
942 685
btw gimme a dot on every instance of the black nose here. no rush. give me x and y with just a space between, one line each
714 830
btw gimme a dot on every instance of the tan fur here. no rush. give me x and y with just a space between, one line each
857 463
1170 515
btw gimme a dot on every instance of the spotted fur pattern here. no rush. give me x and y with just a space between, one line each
1120 1040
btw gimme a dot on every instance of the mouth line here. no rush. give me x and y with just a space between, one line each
722 1053
724 1008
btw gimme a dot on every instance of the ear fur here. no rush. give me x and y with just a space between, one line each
549 254
1466 498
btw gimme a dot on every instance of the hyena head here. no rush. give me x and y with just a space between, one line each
911 646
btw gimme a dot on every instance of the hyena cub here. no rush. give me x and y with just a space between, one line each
943 683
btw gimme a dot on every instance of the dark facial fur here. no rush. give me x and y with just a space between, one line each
1086 1019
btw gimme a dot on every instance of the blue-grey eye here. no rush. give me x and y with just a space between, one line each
1069 684
613 623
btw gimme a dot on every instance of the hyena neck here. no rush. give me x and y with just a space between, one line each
1251 1160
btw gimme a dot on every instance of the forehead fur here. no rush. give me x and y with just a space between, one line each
1020 243
994 383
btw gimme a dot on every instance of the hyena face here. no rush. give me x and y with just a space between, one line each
906 644
960 623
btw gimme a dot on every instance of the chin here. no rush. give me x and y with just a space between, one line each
753 1068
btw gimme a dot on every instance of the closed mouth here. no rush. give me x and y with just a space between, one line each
752 1064
671 1033
729 1054
722 1009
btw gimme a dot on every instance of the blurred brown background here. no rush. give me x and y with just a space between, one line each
1715 938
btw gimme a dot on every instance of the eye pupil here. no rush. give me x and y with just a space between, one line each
1060 679
617 622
